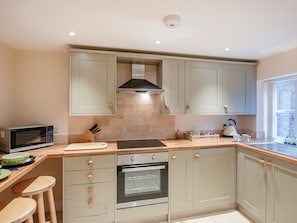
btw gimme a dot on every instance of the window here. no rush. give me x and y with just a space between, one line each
284 112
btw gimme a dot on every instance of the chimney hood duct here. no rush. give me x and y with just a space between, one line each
138 83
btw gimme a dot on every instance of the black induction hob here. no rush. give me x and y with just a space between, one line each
142 143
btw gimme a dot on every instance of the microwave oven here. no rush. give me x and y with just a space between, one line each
16 139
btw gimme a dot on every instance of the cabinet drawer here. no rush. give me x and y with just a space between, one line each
79 211
89 176
89 162
106 190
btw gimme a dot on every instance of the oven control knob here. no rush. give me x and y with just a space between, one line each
132 159
154 157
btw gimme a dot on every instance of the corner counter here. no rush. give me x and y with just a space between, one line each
57 151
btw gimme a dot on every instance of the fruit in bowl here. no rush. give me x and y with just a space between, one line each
15 158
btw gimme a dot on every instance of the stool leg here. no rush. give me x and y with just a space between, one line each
29 220
40 207
51 203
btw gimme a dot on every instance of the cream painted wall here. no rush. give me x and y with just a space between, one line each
6 86
279 64
41 87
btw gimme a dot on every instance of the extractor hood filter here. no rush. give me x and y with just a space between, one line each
138 83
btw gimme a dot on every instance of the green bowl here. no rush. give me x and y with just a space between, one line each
15 158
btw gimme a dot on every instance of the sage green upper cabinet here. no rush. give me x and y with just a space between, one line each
239 89
203 87
174 87
92 84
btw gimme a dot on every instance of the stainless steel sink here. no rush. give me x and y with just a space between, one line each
280 148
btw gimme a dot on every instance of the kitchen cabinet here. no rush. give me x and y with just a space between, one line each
89 189
203 91
92 83
202 180
281 191
174 87
251 183
219 88
267 188
239 89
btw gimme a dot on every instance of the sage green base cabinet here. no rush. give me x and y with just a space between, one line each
251 184
202 180
89 189
266 188
92 83
281 192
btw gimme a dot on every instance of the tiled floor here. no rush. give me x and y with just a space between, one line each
222 217
232 216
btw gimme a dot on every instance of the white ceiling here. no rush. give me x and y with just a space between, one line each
252 29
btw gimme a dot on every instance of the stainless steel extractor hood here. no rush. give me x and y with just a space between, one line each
138 83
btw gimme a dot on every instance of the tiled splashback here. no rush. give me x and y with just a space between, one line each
138 116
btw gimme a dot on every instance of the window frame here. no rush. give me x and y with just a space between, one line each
275 110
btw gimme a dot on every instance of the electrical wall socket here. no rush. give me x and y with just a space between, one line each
56 129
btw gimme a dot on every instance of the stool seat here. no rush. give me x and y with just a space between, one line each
37 186
18 210
34 185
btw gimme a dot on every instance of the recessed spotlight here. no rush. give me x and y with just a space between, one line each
227 49
71 33
157 42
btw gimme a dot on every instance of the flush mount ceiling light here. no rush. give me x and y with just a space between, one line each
172 21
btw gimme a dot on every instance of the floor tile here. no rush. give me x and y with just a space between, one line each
231 217
200 220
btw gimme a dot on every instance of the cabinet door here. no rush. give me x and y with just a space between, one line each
281 192
203 92
214 177
181 173
90 203
92 84
251 183
174 86
239 88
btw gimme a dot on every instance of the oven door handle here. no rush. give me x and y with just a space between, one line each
135 169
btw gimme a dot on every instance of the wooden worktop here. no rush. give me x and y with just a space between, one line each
57 151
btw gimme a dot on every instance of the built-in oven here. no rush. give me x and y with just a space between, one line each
142 179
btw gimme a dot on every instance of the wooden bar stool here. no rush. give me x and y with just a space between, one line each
36 186
17 210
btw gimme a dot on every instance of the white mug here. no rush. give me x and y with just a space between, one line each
246 138
236 138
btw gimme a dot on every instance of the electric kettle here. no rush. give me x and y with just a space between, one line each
229 128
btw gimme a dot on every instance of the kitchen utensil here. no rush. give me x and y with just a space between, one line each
92 129
30 160
4 173
88 145
229 128
246 138
15 158
236 138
